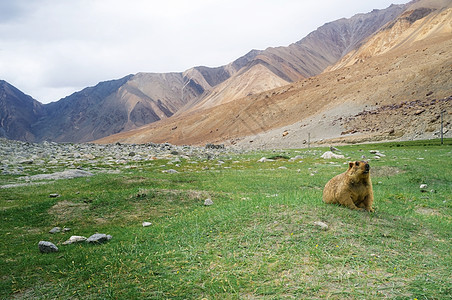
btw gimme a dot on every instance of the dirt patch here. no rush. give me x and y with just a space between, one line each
190 194
382 171
428 211
67 210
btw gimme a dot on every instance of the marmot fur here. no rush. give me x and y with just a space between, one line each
352 188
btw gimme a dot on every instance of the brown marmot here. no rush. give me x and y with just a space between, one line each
352 188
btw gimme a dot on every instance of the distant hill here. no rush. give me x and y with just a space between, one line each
125 104
18 113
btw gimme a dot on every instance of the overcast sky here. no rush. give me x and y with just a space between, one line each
52 48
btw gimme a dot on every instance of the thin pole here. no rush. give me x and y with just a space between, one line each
442 113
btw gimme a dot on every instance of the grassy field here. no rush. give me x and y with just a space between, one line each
257 241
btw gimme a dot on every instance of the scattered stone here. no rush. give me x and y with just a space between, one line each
26 162
75 239
54 195
377 153
55 230
322 225
170 171
264 159
47 247
146 224
423 188
208 202
419 111
66 229
98 238
330 155
298 157
213 146
283 168
334 149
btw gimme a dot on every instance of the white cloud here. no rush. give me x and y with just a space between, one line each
51 48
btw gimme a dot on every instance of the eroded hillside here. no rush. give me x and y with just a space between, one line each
418 70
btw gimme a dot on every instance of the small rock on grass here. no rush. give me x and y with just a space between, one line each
146 224
47 247
55 230
98 238
330 155
208 202
75 239
321 225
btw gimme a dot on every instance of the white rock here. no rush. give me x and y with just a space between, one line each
208 202
98 238
146 224
377 153
75 239
264 159
330 155
321 225
423 186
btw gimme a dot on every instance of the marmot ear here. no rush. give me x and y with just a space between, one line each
357 163
350 165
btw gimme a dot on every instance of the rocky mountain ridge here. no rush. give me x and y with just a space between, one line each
136 100
18 112
412 64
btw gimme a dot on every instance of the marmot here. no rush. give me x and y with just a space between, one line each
352 188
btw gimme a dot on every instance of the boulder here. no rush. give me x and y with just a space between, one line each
55 230
98 238
330 155
47 247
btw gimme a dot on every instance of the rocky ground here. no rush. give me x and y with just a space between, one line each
74 160
344 124
416 119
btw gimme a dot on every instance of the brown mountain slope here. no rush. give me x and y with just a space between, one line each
113 106
275 67
321 104
135 100
423 19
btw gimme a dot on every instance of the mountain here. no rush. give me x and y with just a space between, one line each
299 87
276 67
111 107
405 64
420 21
135 100
18 112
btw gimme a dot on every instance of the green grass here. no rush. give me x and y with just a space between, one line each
258 240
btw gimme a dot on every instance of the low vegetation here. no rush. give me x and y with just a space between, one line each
257 240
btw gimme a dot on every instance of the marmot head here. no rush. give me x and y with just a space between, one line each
358 169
